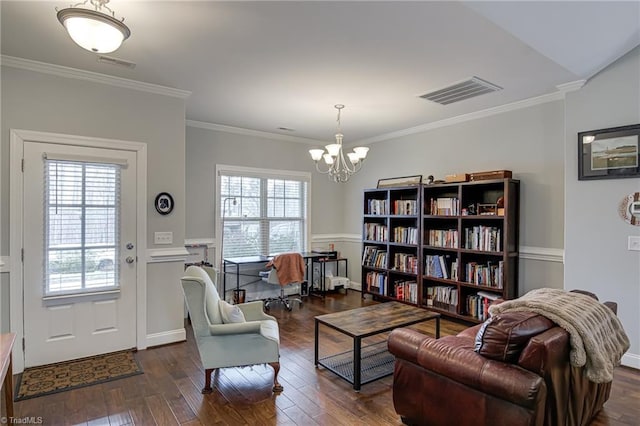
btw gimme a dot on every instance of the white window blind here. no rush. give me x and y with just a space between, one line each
82 223
263 212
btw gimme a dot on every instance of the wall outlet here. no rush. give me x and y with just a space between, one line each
634 243
163 237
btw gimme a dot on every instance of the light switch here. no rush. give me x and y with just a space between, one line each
634 243
163 237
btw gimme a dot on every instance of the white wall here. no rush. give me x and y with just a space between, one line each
206 148
48 103
596 255
527 141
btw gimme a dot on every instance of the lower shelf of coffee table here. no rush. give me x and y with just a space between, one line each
376 363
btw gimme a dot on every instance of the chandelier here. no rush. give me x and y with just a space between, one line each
94 30
339 168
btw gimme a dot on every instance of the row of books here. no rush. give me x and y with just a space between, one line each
405 235
405 207
404 262
438 266
442 296
443 238
446 206
406 291
477 305
375 232
376 282
374 257
485 238
377 207
489 274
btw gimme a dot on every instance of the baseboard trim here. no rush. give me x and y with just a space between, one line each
166 337
631 360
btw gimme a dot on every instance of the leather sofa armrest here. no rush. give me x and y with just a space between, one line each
451 357
404 343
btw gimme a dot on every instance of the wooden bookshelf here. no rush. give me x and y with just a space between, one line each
459 246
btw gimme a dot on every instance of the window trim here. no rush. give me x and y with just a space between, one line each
225 169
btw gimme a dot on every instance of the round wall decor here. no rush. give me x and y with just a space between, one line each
629 209
164 203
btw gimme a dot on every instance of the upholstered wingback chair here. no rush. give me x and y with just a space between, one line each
229 335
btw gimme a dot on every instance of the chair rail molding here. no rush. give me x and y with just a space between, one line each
5 261
172 254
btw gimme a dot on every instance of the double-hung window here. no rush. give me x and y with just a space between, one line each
262 212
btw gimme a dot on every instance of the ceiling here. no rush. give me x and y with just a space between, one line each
266 65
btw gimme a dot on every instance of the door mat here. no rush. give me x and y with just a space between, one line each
63 376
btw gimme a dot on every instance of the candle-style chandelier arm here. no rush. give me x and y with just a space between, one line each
339 168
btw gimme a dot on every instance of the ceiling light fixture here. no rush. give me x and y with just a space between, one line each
340 169
94 30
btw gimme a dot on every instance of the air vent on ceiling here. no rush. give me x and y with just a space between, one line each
460 91
116 61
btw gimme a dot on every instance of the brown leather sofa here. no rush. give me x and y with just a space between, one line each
525 379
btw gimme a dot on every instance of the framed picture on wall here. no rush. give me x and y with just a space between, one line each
609 153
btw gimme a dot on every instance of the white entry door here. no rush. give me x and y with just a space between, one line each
80 254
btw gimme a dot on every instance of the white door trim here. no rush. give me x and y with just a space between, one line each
16 195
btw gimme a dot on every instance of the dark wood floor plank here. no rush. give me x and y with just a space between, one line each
169 390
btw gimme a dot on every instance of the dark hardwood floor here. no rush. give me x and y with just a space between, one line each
168 392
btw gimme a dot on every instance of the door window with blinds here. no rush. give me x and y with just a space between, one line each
263 212
82 216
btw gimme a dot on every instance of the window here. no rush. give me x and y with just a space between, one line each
82 212
262 211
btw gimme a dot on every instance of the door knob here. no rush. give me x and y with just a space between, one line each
130 259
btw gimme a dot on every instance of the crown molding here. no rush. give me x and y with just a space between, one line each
249 132
572 86
94 77
526 103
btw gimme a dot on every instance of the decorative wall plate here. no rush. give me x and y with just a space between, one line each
164 203
629 209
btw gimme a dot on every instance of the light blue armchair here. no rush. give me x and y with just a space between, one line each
254 341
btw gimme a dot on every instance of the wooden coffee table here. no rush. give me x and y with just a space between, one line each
366 364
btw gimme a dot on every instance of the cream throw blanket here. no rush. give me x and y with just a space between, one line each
597 338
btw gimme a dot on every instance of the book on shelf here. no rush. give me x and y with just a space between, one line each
377 207
376 282
374 257
488 274
437 266
406 291
443 297
444 206
405 207
405 235
405 262
376 232
483 238
443 238
477 305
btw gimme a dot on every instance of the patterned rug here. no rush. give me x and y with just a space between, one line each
63 376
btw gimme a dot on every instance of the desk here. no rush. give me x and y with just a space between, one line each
6 346
237 262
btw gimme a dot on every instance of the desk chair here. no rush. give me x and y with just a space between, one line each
286 269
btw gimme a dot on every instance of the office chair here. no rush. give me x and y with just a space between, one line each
286 269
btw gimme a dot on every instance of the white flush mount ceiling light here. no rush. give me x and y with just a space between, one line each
339 169
92 29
